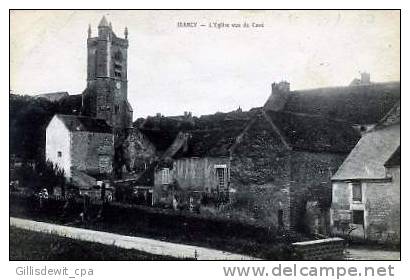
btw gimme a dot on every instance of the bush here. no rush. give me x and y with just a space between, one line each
39 176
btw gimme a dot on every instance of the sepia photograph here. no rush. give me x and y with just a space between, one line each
145 135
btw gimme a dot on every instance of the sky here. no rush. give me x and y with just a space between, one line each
205 69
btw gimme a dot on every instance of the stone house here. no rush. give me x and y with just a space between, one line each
88 146
80 145
366 188
363 106
277 160
270 163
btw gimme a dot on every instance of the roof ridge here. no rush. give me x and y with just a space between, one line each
342 87
277 130
313 116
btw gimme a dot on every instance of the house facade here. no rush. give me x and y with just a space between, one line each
88 145
276 161
81 144
257 166
366 188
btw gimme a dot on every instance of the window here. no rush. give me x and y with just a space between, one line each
358 217
118 56
357 192
117 67
221 172
165 176
104 164
117 109
59 154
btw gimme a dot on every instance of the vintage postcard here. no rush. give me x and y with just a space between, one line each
204 135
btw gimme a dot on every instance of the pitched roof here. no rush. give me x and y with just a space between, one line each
214 135
103 22
395 159
367 159
162 131
215 140
392 117
365 104
160 138
71 104
79 123
52 96
82 179
315 133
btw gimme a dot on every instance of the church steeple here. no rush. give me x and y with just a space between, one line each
89 31
106 94
126 32
103 22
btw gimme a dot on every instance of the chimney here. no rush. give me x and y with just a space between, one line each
365 78
278 97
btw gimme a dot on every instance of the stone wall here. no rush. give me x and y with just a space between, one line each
264 204
383 211
310 178
323 249
381 206
92 152
138 152
260 157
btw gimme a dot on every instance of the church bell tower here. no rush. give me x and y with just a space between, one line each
107 87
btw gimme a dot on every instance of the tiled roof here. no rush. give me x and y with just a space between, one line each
392 117
315 133
82 179
213 141
79 123
356 104
160 138
367 159
162 131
